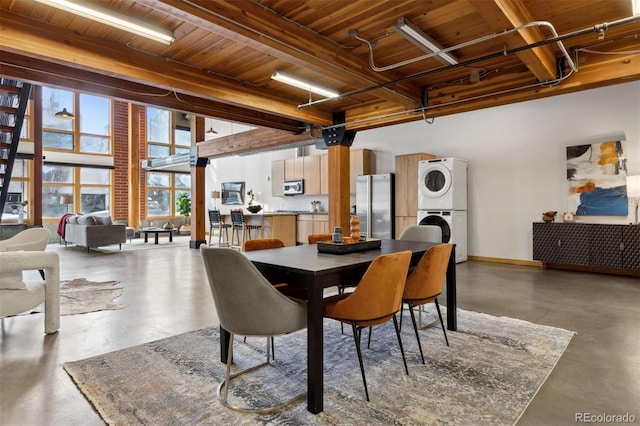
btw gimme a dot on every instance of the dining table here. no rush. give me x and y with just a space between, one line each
303 265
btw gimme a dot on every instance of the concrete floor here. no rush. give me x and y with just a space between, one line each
166 293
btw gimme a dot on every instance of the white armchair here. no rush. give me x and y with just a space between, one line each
16 296
31 239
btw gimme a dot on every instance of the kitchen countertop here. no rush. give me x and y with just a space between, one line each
294 212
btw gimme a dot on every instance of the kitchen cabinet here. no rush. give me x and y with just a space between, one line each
304 227
324 174
311 174
591 245
314 169
294 168
361 162
311 224
321 224
281 226
407 189
277 178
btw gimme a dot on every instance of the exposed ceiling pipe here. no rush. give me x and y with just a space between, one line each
466 44
600 28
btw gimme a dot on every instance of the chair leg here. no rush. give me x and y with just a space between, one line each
222 395
42 273
404 360
210 234
415 328
444 330
356 336
369 341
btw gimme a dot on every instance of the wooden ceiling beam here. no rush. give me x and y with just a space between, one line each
249 23
53 74
596 71
503 15
248 141
76 51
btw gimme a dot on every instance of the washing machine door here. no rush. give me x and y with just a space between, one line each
434 180
438 221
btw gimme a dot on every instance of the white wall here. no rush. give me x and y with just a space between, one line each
516 157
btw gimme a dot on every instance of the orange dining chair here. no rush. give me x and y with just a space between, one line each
315 238
425 283
271 243
375 300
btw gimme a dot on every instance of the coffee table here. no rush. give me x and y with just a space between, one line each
156 232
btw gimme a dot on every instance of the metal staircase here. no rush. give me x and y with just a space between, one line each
14 96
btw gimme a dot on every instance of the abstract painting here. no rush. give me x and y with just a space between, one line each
597 174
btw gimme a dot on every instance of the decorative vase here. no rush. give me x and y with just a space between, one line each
21 216
355 229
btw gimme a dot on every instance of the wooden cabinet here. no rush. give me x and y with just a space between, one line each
324 174
321 224
592 245
311 174
407 189
277 178
311 224
281 226
314 169
294 168
361 162
304 227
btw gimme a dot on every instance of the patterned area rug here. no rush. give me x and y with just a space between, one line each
79 296
488 376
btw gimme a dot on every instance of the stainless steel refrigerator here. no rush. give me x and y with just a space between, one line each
375 205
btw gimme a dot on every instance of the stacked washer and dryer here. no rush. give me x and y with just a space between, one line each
442 200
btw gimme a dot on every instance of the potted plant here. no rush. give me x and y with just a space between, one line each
183 204
254 206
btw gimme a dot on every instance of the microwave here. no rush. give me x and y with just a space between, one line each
293 187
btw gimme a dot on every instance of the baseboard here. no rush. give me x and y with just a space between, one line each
541 265
531 263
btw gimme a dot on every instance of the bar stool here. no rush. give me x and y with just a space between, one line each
238 225
216 222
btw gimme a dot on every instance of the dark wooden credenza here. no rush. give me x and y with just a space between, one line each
587 246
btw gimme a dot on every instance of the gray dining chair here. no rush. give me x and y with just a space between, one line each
428 233
247 304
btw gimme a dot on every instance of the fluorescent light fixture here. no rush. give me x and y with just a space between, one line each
412 33
112 18
305 85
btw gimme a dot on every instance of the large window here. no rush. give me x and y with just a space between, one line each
165 139
75 189
89 133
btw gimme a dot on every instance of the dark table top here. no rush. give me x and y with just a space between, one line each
306 258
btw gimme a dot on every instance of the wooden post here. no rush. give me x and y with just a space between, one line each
339 170
134 189
198 203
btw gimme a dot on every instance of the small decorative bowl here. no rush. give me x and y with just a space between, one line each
254 209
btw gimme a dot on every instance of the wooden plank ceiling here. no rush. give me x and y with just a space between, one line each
225 52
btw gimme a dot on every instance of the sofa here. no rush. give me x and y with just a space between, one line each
93 231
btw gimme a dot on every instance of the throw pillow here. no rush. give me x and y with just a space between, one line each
103 220
72 219
87 220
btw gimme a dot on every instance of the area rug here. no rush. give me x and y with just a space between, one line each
80 296
488 376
